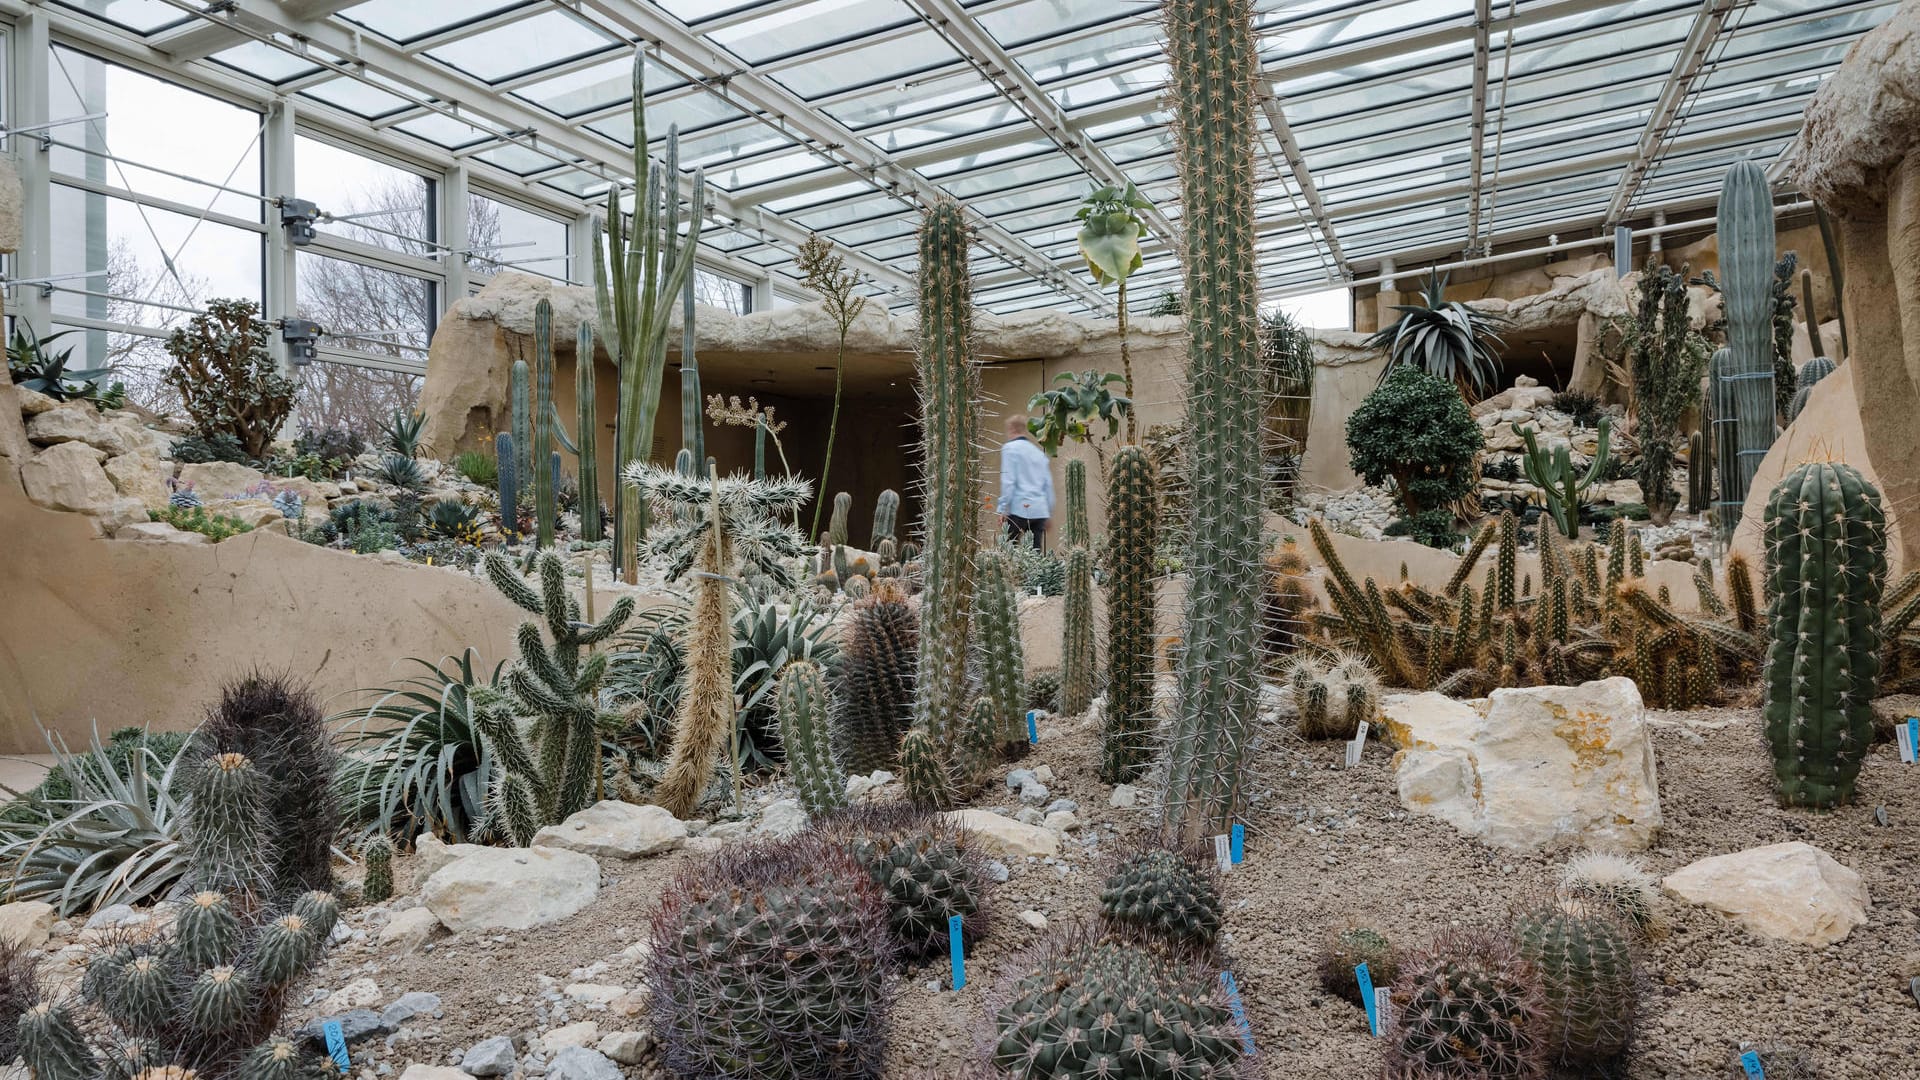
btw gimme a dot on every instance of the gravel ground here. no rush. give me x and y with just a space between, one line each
1328 845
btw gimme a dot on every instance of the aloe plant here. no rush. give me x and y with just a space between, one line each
1444 338
414 762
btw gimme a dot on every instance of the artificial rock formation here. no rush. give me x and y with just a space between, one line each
1859 158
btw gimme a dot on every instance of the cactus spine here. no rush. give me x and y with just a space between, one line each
1826 568
544 482
803 709
1553 473
1132 525
507 466
949 383
1743 385
377 887
837 531
1077 659
886 516
1002 660
587 444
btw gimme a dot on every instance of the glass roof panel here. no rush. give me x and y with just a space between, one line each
691 113
597 86
259 59
890 103
800 28
515 158
357 97
443 130
886 61
406 20
520 46
1038 20
144 16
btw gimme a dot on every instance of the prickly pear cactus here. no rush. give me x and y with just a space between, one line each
1826 567
1170 895
1589 970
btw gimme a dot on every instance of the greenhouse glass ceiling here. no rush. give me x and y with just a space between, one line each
1414 130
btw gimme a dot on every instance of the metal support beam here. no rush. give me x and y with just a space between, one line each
1302 177
282 284
27 106
1477 130
201 39
454 230
1708 22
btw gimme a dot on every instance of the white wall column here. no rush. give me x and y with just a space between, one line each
29 108
282 287
453 233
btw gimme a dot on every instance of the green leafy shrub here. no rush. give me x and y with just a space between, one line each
215 527
477 467
227 380
1415 433
1044 572
1435 528
414 761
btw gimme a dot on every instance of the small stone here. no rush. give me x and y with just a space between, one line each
783 818
489 1057
998 871
594 993
1058 805
1043 773
409 1005
1004 836
410 929
1019 778
582 1034
417 1071
631 1003
1029 815
26 924
580 1063
1033 792
1061 821
626 1047
111 916
726 830
616 830
356 1025
1124 795
1033 918
360 993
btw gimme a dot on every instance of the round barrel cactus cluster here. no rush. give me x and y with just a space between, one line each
1168 894
928 869
1469 1006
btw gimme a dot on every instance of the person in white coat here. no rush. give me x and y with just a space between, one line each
1026 485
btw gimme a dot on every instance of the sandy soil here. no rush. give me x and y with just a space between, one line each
1329 844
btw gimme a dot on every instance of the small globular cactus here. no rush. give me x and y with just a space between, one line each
923 770
1618 883
1467 1006
802 707
1173 896
1589 971
1333 695
377 886
1043 690
929 869
1344 950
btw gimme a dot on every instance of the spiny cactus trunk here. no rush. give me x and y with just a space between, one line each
837 531
522 420
693 437
1002 659
1132 519
886 516
587 445
508 472
802 707
1744 395
1077 659
544 496
949 382
706 715
877 659
1214 69
1078 533
1826 567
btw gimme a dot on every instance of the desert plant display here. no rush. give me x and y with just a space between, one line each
227 380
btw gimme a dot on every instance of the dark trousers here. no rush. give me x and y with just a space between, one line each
1019 528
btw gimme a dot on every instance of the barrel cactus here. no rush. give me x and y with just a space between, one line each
1091 1007
1589 971
1173 896
1132 525
1043 690
1826 567
874 698
1344 950
802 705
929 869
772 960
1467 1006
1810 372
924 770
1614 882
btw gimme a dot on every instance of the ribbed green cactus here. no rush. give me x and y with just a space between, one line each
587 445
1002 658
1826 568
1467 1006
1743 385
1810 372
886 516
1214 68
837 524
1078 533
53 1045
1093 1007
1590 974
924 770
1133 516
521 405
693 436
1699 472
877 656
557 687
803 707
508 477
949 382
1560 485
929 869
377 855
544 410
1170 895
1333 695
1077 658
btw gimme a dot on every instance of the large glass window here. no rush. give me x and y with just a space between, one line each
719 291
502 236
367 309
352 396
370 201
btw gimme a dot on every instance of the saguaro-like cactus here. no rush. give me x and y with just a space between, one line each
1560 484
1743 386
1699 472
508 469
522 412
1077 660
803 710
586 444
837 524
1826 567
1078 533
544 481
693 437
949 384
1214 65
1002 660
1132 523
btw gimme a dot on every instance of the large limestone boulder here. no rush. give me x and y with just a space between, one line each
1790 892
67 476
15 448
77 421
141 476
1857 158
511 888
616 830
1532 769
1003 836
430 853
220 479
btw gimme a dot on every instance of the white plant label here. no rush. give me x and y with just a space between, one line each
1223 852
1383 1007
1357 744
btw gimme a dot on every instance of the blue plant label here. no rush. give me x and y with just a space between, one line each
1223 852
1239 844
1239 1009
1750 1061
1033 727
1365 979
337 1045
956 943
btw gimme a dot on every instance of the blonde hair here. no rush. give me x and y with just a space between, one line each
1016 425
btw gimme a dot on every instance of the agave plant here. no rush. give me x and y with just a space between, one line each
643 678
401 433
396 470
1444 338
32 365
113 838
767 636
414 761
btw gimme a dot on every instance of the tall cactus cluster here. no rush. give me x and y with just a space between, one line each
1214 68
1287 603
878 652
803 707
1002 659
204 997
1561 485
547 429
508 477
1826 569
948 378
1743 405
1132 525
551 768
1589 972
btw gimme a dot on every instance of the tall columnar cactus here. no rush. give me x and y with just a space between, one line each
1003 673
506 463
1743 386
640 267
837 531
552 769
1077 658
1590 974
886 516
377 856
1133 516
693 436
803 708
1826 567
949 383
877 656
1561 485
521 405
587 445
1215 66
1700 472
545 507
1078 533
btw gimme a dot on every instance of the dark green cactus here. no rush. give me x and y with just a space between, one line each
1214 67
1699 472
377 855
1346 949
284 950
1589 971
1561 486
557 686
207 931
837 524
929 869
53 1045
1810 372
509 480
1468 1006
545 482
924 770
877 658
1078 533
278 1059
949 381
1002 663
1077 658
1826 568
522 412
1092 1007
1043 690
1743 383
803 707
886 516
1132 531
1173 896
587 445
229 835
773 961
319 910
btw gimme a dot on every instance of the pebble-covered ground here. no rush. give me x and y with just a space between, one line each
1329 844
